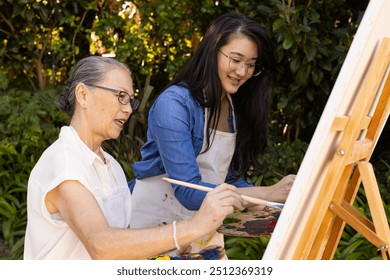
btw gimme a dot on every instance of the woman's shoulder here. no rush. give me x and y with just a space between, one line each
175 103
66 151
59 154
180 93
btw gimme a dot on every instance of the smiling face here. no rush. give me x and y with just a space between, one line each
242 50
105 114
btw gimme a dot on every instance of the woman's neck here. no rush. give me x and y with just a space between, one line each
223 123
87 136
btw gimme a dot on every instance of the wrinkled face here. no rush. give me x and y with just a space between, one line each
235 62
106 115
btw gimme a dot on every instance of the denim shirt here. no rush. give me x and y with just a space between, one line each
174 140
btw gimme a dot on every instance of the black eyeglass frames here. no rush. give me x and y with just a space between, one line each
123 96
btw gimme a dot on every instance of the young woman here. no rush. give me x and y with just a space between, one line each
79 204
208 126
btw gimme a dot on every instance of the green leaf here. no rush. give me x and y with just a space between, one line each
295 63
283 101
303 74
310 52
316 76
310 95
287 43
278 24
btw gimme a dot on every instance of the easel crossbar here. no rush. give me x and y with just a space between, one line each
358 222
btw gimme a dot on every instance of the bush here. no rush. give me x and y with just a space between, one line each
30 123
278 160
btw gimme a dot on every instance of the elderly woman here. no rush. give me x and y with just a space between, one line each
79 204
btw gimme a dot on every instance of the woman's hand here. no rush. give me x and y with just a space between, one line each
279 191
218 203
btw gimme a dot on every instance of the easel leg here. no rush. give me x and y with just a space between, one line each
385 253
336 229
376 206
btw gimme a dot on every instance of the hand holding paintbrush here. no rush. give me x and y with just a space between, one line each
250 199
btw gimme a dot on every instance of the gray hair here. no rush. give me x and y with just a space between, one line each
90 70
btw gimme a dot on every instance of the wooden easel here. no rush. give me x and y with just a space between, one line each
349 168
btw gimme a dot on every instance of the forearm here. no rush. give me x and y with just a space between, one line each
276 193
258 192
115 243
142 243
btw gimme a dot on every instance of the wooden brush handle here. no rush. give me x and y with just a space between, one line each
207 189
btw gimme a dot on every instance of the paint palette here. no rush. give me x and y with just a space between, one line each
254 222
209 253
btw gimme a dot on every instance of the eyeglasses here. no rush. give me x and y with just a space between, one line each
252 69
123 97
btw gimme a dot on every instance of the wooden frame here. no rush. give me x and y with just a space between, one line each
337 160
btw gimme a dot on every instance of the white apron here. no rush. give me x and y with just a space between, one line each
154 203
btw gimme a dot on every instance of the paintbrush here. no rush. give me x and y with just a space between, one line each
250 199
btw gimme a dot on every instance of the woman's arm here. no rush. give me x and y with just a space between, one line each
82 213
275 193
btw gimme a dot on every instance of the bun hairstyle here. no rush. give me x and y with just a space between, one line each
65 100
90 70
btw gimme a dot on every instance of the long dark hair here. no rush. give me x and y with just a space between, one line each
251 101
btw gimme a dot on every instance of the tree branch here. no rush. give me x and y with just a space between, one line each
8 23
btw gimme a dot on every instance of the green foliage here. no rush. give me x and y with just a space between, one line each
156 38
381 164
41 39
245 248
353 246
278 160
312 39
30 123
